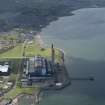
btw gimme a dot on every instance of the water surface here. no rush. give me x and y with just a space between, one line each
82 37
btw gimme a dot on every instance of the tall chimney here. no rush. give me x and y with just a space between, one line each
53 54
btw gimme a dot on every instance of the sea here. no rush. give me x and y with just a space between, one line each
82 38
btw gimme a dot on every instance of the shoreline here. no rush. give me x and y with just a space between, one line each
36 96
62 65
15 101
43 45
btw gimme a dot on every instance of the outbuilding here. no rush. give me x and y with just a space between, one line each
4 70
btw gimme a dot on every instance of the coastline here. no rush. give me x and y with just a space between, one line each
62 65
37 94
42 44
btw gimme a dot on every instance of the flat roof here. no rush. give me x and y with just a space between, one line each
37 63
4 68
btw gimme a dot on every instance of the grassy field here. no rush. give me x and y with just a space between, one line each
16 91
31 49
16 52
35 49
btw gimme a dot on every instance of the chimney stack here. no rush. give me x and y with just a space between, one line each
53 54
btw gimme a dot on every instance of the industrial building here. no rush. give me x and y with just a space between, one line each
38 68
4 70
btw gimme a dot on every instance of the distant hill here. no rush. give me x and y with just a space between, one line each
38 13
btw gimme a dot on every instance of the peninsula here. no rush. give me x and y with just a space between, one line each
28 67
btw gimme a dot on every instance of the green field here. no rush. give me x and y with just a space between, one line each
16 91
29 50
35 49
15 52
24 50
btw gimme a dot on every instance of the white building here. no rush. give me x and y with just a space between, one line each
4 70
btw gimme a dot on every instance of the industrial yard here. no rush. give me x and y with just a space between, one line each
27 67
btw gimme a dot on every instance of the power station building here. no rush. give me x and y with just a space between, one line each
39 68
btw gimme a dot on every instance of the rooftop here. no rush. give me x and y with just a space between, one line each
4 68
38 66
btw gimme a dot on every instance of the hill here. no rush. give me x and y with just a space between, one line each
38 13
